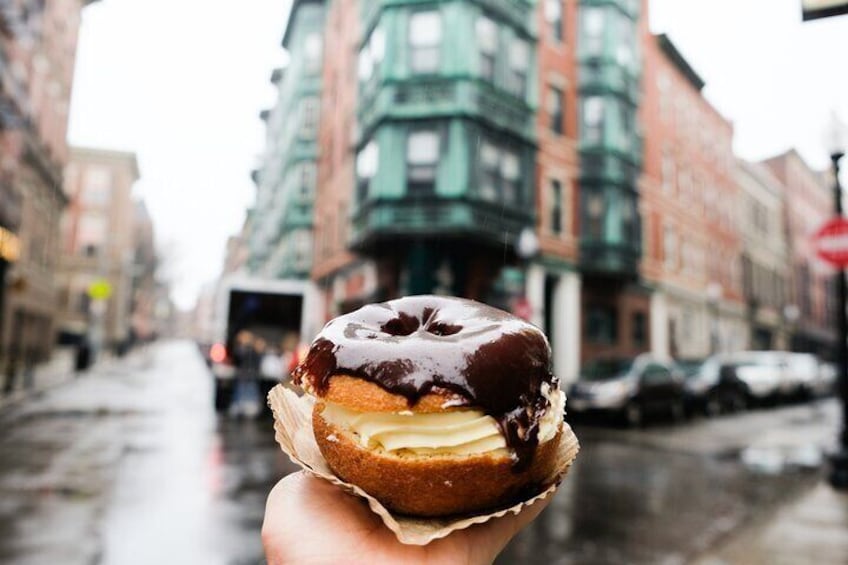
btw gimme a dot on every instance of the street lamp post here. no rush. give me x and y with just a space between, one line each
839 471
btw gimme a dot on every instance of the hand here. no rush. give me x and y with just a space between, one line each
308 520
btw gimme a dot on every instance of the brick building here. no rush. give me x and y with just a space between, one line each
98 230
808 204
692 246
37 54
766 272
555 158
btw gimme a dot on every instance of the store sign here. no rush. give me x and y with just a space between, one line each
815 9
831 242
10 245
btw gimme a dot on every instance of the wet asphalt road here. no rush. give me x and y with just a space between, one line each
130 465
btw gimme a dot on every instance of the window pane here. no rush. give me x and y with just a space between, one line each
425 29
425 59
487 35
422 147
553 10
510 166
519 55
377 45
312 52
593 110
367 161
366 64
489 155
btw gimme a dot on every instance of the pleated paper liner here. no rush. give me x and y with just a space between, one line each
293 426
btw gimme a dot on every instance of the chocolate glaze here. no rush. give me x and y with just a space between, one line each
421 344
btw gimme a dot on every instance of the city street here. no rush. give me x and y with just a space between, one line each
129 465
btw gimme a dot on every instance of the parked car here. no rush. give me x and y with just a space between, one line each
712 386
803 375
630 388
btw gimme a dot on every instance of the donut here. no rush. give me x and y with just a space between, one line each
436 406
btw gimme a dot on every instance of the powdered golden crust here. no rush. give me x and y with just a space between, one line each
433 486
364 396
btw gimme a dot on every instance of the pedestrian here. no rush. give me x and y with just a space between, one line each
82 358
246 359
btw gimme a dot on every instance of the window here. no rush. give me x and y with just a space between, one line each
425 38
553 15
91 231
312 53
97 188
601 324
511 176
366 167
307 181
668 172
556 207
422 157
639 329
487 40
593 119
309 116
593 26
595 212
555 105
519 61
629 224
500 173
372 55
670 247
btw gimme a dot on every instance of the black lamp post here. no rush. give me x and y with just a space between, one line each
839 472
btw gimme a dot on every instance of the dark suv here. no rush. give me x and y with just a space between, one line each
630 388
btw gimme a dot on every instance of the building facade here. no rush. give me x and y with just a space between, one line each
281 239
692 245
98 248
37 54
557 159
766 273
808 205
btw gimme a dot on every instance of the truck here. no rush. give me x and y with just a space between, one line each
272 310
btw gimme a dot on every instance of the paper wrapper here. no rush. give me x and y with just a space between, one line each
293 425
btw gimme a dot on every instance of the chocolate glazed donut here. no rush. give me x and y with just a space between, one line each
479 356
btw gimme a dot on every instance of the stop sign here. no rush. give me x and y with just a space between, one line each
831 242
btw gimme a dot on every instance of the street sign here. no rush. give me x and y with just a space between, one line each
831 242
815 9
100 290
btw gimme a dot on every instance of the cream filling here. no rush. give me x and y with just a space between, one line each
459 432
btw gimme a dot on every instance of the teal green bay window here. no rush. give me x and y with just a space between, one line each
442 177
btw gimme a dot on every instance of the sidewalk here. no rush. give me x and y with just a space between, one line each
812 529
58 370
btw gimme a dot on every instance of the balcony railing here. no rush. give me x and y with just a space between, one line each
609 258
385 219
447 96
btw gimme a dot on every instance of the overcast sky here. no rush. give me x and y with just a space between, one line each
181 83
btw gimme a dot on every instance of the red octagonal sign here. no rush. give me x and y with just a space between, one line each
831 242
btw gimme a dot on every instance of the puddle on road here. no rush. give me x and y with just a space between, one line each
625 504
